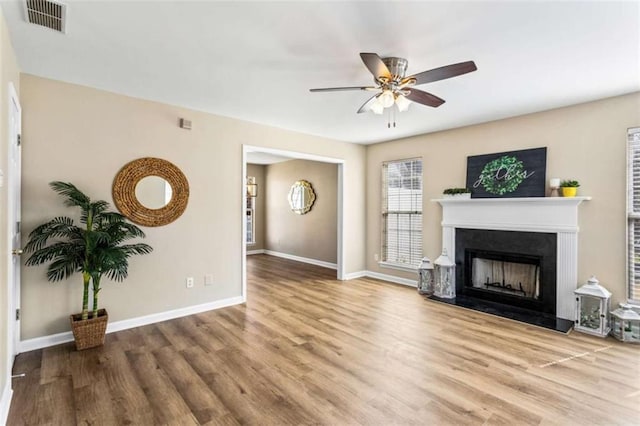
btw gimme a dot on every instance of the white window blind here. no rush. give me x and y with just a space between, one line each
251 227
250 215
402 212
633 212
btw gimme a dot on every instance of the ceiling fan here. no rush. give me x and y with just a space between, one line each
394 88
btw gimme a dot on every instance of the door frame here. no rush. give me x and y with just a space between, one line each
13 295
340 204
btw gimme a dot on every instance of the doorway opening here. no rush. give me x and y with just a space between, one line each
251 153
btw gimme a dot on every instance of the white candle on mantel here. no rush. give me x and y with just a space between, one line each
554 183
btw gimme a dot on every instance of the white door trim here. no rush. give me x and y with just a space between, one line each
13 295
340 203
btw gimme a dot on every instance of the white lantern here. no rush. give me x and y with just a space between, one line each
444 286
625 324
425 277
592 308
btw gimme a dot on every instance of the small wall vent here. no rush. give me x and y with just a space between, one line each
46 13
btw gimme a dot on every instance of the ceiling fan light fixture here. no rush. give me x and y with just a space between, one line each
386 98
376 107
402 103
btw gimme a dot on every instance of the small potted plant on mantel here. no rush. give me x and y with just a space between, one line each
95 250
460 193
569 188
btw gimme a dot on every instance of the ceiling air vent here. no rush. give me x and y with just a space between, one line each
47 13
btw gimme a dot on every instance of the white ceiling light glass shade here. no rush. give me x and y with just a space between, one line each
376 106
386 98
402 102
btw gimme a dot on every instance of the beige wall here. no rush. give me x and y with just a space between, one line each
312 235
85 136
9 73
257 171
586 142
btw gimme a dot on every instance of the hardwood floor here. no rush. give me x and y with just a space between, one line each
307 349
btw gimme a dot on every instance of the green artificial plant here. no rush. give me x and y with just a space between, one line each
569 184
453 191
94 249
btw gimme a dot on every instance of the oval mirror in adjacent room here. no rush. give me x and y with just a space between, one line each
151 191
301 197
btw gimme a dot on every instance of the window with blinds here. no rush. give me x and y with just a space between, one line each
633 213
402 212
250 216
251 227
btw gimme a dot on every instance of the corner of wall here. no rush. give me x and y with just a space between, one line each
9 73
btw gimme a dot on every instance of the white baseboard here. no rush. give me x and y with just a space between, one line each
259 251
302 259
383 277
5 401
354 275
56 339
45 341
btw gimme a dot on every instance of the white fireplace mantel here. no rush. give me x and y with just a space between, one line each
557 215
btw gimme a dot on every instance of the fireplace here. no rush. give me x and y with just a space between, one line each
556 218
509 267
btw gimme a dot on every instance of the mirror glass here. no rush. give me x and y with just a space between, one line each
301 197
150 191
153 192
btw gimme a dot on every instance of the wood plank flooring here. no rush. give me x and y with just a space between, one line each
308 349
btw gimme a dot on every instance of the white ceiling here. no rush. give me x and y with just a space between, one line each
256 61
265 158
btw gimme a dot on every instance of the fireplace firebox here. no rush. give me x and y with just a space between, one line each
508 267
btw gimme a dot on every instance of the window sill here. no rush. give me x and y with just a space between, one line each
635 305
398 266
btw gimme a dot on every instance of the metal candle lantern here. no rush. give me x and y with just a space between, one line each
625 324
592 308
444 286
425 277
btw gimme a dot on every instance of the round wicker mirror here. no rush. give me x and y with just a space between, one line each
124 191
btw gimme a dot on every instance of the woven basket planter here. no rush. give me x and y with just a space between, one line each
89 333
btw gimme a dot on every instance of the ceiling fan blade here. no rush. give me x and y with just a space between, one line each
443 72
424 98
375 65
366 106
340 89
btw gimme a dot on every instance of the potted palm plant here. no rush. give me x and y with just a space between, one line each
95 249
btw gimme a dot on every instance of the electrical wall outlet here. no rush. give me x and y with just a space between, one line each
190 282
208 279
376 257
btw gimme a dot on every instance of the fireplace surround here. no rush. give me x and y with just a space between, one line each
510 267
556 217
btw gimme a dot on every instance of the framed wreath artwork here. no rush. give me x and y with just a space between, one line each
508 174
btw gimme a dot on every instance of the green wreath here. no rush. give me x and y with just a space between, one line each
504 183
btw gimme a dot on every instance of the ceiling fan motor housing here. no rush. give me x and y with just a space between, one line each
397 67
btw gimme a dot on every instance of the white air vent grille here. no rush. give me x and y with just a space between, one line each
46 13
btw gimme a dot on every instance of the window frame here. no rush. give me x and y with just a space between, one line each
411 266
251 228
633 148
250 212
